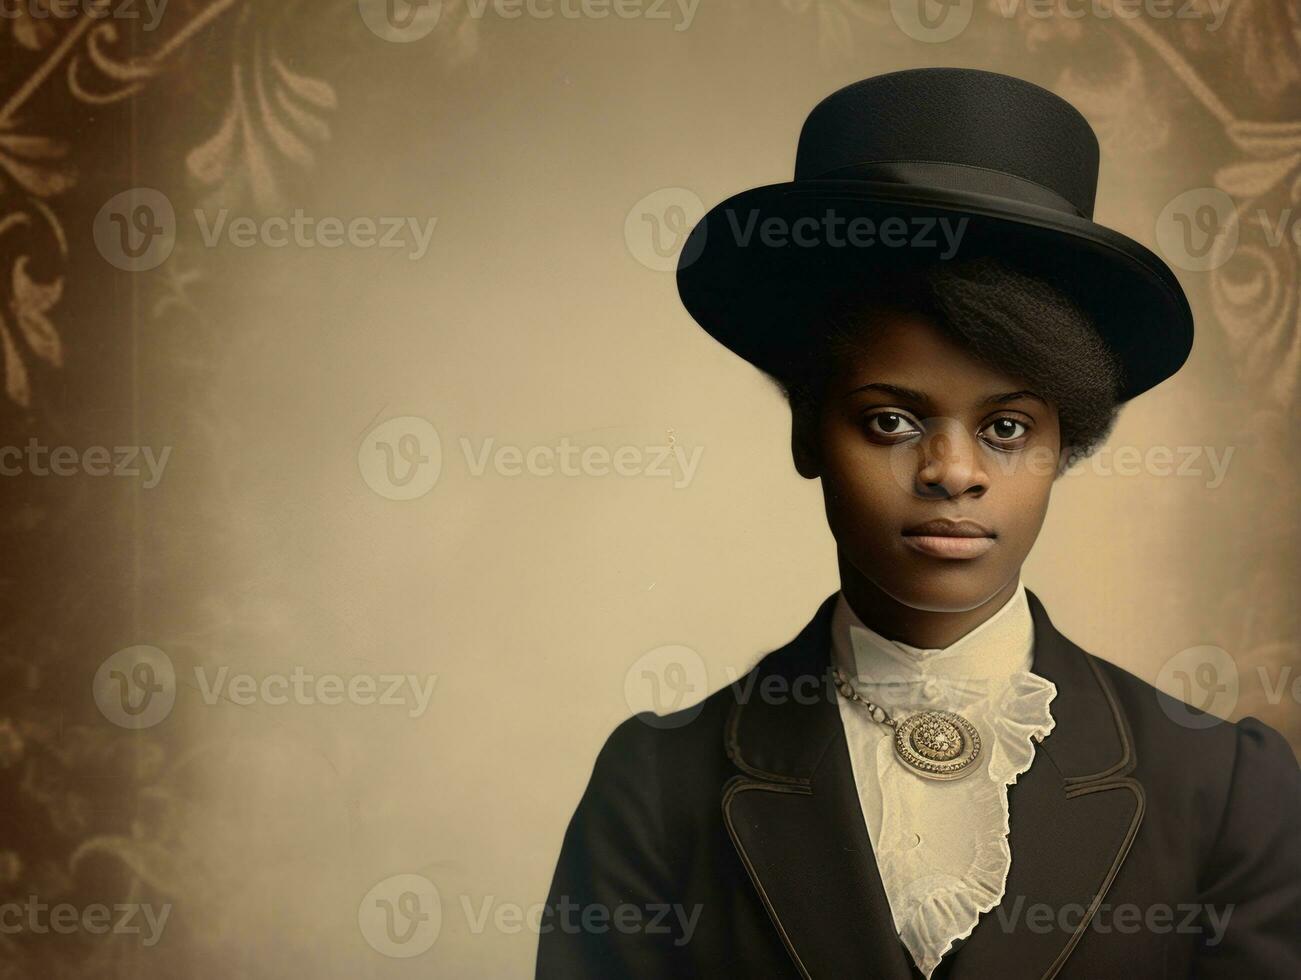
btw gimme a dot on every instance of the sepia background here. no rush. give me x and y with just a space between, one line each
358 448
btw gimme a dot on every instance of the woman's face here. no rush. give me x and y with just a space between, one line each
936 468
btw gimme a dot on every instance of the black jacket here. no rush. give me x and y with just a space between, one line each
728 841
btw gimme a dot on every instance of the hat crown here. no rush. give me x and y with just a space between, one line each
992 124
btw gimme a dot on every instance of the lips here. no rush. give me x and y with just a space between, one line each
950 539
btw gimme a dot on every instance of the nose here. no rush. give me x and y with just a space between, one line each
951 463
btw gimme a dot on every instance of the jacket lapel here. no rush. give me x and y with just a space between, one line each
794 816
1073 816
796 821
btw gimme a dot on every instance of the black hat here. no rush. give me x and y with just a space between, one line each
921 166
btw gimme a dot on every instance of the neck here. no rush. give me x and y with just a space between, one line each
925 628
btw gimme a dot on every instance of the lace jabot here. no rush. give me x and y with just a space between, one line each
941 846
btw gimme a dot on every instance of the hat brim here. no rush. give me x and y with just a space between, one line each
757 292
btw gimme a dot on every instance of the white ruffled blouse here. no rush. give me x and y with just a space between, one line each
941 846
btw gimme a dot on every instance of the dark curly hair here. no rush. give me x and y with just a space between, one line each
1020 324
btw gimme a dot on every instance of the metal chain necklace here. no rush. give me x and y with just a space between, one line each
934 744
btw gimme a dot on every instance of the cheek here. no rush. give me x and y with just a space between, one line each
863 492
1024 505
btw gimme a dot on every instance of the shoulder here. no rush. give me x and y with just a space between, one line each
691 744
648 739
1162 723
1203 762
649 761
1232 792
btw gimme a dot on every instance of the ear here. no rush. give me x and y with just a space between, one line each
1064 463
804 445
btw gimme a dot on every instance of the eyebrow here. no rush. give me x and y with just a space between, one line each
1013 396
920 398
907 394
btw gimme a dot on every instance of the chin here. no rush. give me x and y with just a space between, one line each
938 585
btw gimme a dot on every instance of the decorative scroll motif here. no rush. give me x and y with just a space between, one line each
79 810
1253 279
84 65
272 124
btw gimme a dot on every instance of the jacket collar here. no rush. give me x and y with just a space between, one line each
794 816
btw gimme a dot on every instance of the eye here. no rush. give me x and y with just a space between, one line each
1005 433
892 426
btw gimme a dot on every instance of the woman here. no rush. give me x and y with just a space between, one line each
930 780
